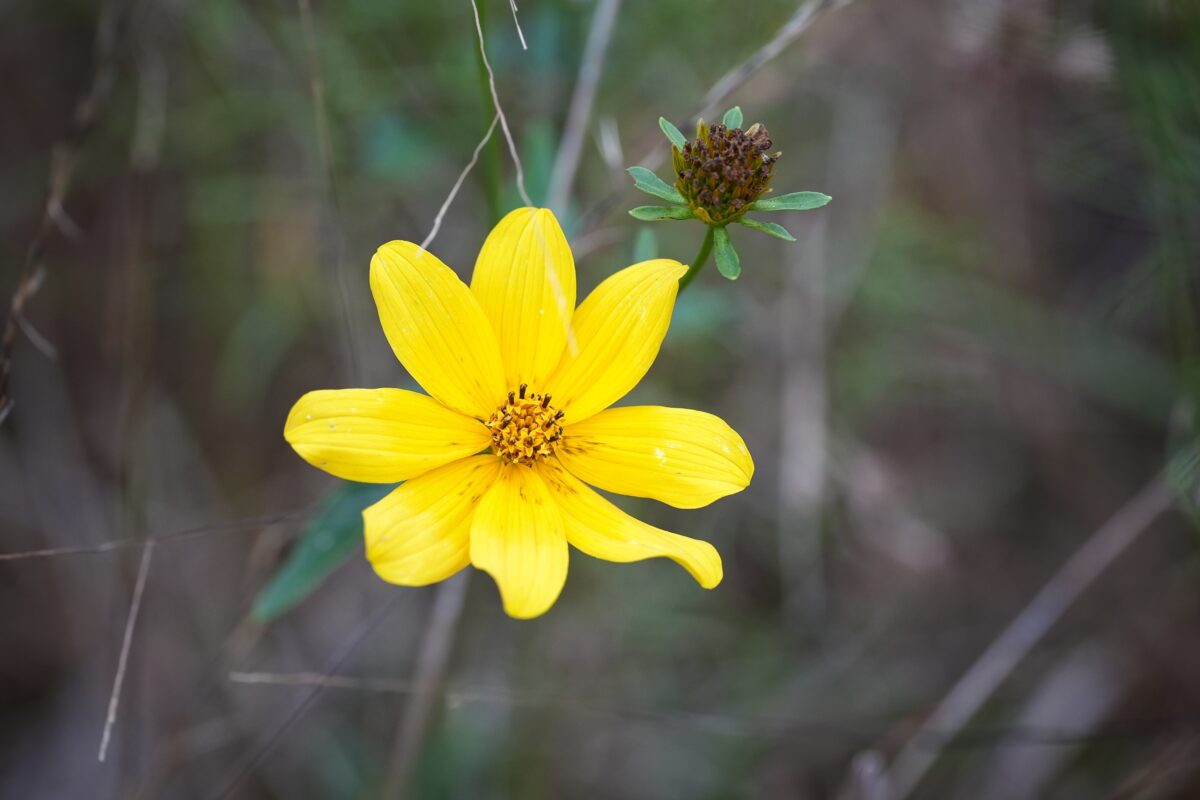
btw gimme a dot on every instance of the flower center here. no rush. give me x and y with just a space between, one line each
723 171
526 428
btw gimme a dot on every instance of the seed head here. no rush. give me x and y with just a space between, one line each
724 170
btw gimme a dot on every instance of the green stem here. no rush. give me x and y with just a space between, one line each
492 155
699 261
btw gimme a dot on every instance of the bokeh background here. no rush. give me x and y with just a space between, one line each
978 364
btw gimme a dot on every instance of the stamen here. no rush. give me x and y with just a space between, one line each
526 428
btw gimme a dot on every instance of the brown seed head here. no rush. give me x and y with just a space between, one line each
723 170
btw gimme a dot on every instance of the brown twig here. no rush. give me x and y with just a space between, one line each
251 763
135 606
249 523
800 21
566 162
857 729
63 160
431 676
792 29
1016 641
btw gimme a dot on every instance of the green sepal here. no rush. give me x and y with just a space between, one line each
671 132
646 181
732 118
659 213
728 263
796 201
328 540
769 228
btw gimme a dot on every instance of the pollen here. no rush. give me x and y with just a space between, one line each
525 428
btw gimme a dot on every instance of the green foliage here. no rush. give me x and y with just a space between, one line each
728 263
769 228
914 286
795 201
1156 48
732 118
659 213
1183 459
645 180
1183 476
674 134
327 541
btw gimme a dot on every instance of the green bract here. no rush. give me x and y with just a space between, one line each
648 182
769 228
674 134
720 175
657 213
796 201
728 263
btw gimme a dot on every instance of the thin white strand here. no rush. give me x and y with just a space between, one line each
512 146
462 176
520 33
135 606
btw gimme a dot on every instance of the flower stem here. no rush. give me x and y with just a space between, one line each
699 261
491 154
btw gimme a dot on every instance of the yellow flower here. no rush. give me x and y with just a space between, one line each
495 460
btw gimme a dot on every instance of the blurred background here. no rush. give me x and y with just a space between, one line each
970 390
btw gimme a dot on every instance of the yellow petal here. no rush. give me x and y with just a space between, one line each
379 435
525 281
602 530
618 330
682 457
437 329
517 537
418 534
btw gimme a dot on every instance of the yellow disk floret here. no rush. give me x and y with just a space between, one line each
525 428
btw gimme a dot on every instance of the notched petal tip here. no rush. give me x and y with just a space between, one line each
669 268
517 537
519 607
295 417
707 569
437 328
524 280
398 248
602 530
